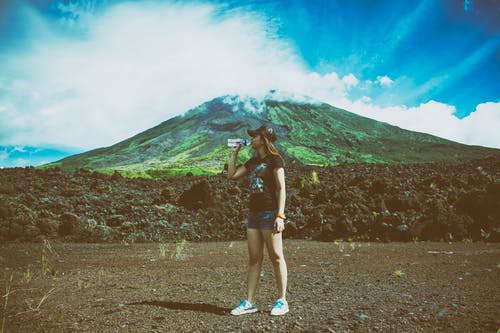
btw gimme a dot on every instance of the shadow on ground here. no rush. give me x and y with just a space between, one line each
200 307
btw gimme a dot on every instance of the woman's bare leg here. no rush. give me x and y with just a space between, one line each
255 254
274 246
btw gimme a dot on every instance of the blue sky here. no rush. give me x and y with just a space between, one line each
88 74
444 50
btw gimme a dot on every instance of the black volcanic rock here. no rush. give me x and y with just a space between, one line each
69 222
198 196
35 204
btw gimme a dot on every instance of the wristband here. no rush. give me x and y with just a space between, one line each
281 216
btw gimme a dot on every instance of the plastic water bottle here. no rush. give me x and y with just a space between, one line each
235 142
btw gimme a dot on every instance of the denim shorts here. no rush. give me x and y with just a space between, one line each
263 220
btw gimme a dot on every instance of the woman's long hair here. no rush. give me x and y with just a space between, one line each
270 148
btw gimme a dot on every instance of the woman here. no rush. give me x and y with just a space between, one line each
266 217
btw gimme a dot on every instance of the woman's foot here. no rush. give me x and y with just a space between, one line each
244 308
280 308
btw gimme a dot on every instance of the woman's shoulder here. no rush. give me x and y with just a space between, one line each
276 160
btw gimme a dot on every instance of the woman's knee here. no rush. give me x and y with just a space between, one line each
276 258
255 260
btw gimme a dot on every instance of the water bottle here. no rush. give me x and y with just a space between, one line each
235 142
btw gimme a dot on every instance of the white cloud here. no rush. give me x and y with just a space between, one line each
18 149
479 128
384 81
136 66
350 80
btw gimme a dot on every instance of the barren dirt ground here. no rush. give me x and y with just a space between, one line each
191 287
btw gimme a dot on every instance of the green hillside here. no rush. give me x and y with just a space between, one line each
310 133
324 135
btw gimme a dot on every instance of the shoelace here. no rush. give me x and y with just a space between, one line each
244 304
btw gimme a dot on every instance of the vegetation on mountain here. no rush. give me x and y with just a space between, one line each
309 133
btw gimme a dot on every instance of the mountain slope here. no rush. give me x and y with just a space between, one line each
310 132
332 134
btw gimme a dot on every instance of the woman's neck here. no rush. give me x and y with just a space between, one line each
261 152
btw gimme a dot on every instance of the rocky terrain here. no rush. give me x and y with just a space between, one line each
369 202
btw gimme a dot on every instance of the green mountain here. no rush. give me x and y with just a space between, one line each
308 131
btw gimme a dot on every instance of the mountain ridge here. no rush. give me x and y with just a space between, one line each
309 132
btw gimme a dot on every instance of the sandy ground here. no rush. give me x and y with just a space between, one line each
191 287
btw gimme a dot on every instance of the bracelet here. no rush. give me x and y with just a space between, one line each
282 216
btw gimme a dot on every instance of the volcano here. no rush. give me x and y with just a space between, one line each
310 132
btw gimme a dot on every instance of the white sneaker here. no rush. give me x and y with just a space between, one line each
280 308
244 308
